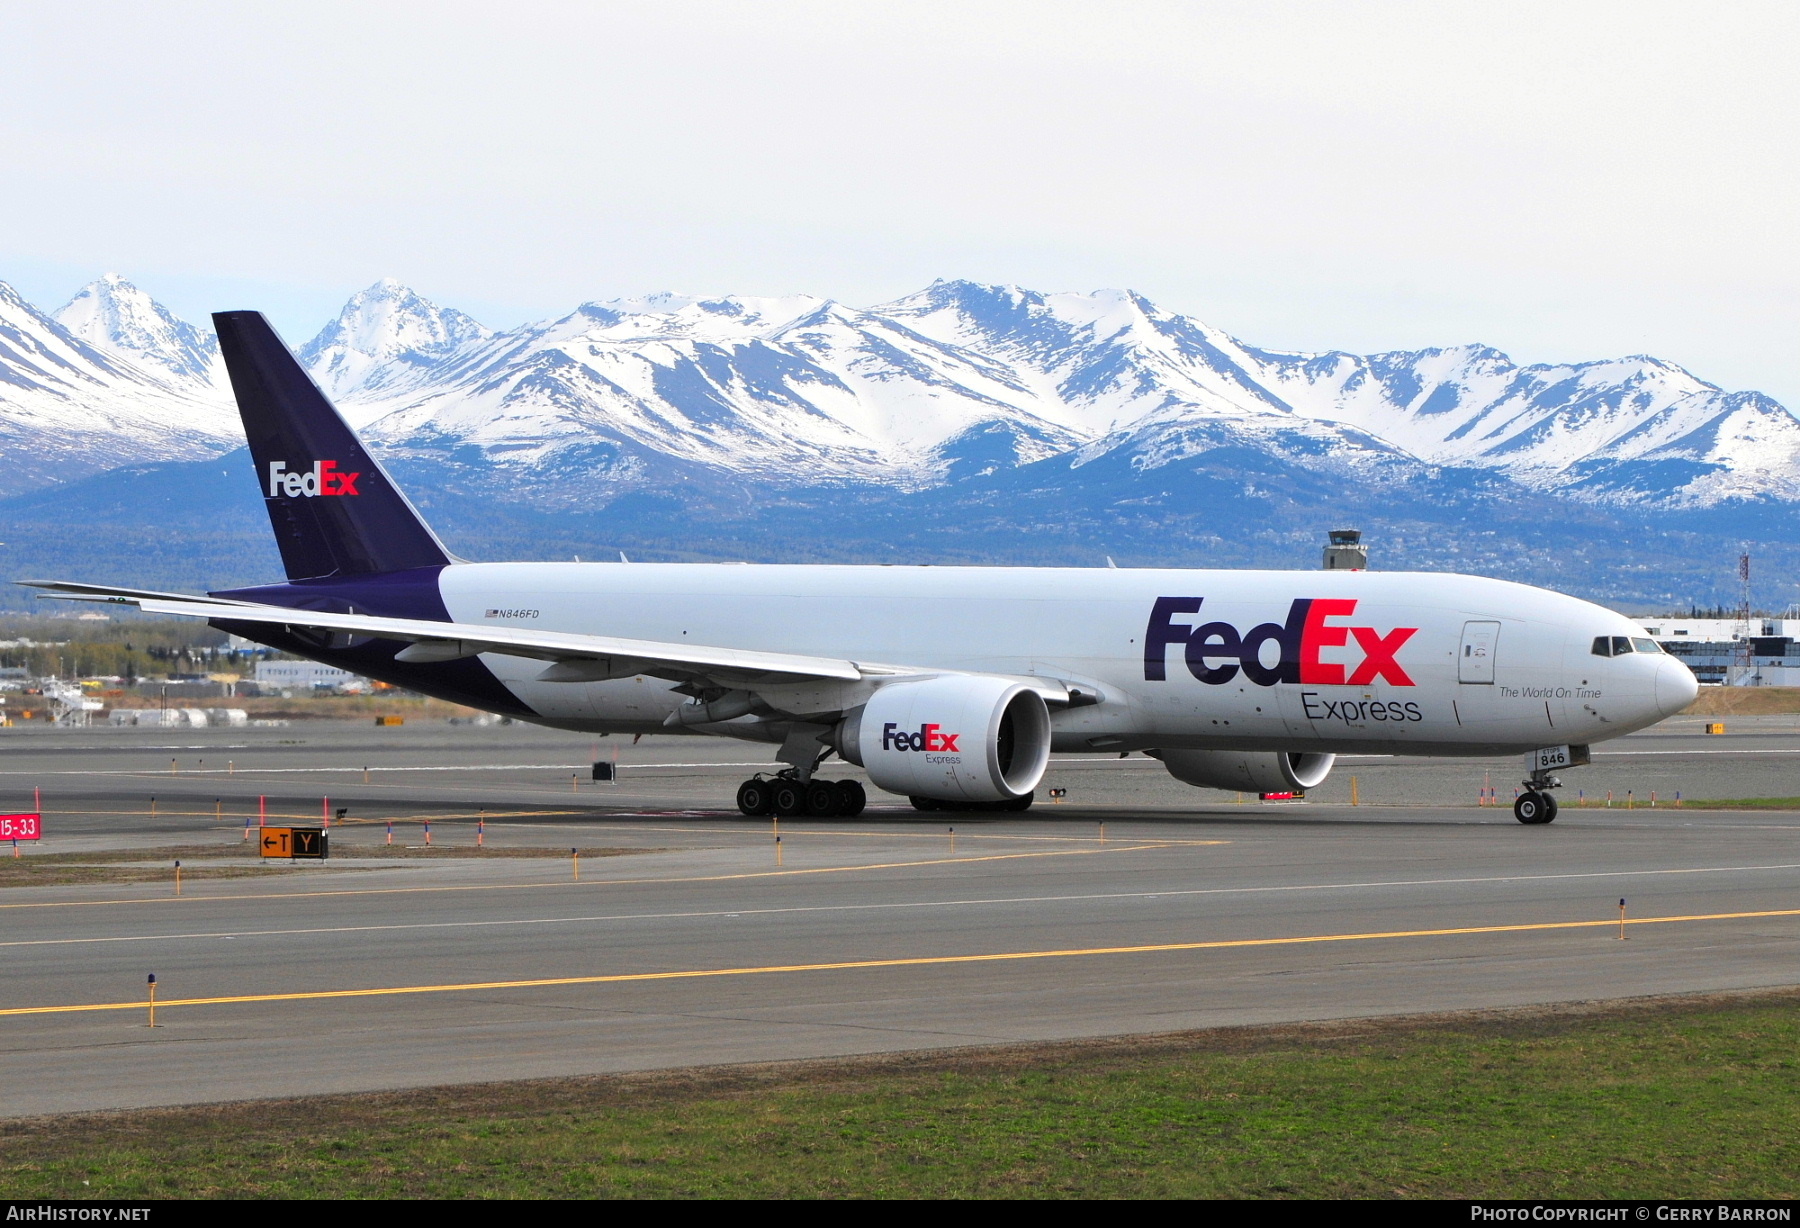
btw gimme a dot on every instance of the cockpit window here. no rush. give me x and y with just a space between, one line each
1622 645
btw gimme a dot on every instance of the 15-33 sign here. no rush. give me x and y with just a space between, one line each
21 826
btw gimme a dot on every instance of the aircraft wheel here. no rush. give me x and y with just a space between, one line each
925 803
1533 808
851 798
821 799
1017 803
790 798
755 797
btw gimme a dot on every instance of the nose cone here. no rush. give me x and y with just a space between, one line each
1676 686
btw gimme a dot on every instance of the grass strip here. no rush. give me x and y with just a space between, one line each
1744 701
1682 1097
1741 803
22 873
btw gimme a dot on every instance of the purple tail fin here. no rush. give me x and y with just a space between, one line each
333 508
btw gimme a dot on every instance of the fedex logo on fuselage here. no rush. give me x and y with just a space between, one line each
1216 652
925 737
324 478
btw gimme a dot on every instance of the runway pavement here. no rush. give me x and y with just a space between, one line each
1186 909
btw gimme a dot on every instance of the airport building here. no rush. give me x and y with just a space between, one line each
1732 651
305 676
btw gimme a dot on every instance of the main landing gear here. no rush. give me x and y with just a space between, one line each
789 798
931 803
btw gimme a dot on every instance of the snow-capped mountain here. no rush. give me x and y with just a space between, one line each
115 316
1627 430
799 389
1165 387
955 381
386 340
69 408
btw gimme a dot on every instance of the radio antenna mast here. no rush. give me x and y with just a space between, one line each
1746 648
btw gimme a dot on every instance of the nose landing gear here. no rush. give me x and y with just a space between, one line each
789 797
1534 807
1537 804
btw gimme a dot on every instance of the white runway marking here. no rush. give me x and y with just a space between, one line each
917 904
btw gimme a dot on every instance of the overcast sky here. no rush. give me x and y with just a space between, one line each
1560 180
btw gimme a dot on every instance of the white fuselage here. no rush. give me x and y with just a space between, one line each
1461 664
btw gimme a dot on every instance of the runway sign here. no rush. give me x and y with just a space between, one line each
310 843
21 826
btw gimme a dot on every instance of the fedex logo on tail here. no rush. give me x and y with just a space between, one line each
324 478
1216 652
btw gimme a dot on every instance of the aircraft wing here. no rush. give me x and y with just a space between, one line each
444 641
572 657
447 641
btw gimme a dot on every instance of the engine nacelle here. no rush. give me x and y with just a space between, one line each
952 738
1250 771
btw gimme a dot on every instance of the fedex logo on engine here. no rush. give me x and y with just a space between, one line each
324 478
925 737
1216 652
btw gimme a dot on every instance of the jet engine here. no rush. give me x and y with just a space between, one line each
952 738
1248 771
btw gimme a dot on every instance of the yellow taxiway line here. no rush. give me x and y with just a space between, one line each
910 962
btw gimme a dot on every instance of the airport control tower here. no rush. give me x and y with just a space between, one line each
1346 551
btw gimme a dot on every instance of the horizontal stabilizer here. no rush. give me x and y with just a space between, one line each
70 590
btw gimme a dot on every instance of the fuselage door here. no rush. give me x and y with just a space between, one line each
1475 660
